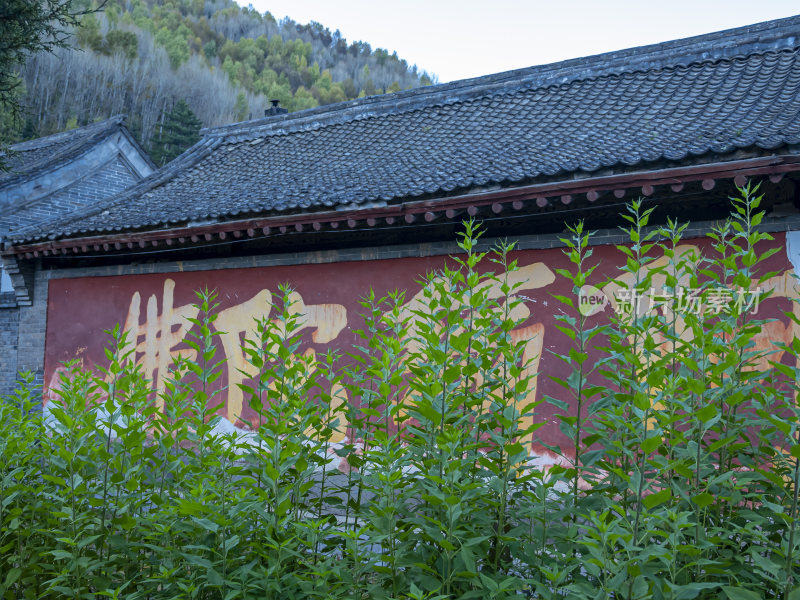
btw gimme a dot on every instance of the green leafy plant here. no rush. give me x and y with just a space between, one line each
401 469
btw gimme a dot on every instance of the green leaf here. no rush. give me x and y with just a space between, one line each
446 544
657 498
737 593
651 444
706 413
468 558
702 500
692 590
206 524
12 576
214 578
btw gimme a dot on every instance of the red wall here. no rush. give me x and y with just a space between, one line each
80 309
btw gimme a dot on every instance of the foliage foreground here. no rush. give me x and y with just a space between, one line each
682 483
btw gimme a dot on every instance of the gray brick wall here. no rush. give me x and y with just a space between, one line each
22 334
9 336
32 329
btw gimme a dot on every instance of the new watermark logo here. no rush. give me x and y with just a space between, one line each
591 300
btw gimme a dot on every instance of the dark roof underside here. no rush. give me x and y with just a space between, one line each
531 125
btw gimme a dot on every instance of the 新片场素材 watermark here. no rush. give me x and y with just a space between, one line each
714 301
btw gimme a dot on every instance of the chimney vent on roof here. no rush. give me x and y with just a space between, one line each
275 109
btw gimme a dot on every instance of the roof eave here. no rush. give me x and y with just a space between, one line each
454 207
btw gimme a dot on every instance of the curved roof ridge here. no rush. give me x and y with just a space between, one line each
729 44
63 136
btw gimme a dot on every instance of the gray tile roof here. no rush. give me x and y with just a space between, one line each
706 96
29 159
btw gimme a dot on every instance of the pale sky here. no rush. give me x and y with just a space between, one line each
456 39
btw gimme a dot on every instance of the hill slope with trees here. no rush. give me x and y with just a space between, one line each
142 57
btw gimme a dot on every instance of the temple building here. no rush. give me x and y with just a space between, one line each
370 194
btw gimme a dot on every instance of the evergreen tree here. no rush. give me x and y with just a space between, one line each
121 42
11 125
29 130
180 131
241 109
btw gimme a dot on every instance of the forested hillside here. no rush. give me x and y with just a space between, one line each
142 57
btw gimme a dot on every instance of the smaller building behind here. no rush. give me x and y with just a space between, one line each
48 179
